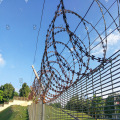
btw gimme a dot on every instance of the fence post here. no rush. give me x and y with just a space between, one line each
43 111
43 106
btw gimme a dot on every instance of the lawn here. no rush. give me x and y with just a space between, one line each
15 112
52 113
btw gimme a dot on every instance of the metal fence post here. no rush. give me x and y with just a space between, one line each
43 111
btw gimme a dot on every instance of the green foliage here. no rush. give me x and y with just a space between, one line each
73 103
96 106
1 87
76 103
16 94
117 99
24 91
57 105
109 106
8 92
93 106
112 105
1 95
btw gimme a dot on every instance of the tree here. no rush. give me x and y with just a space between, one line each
1 87
77 104
93 107
16 94
24 91
117 103
1 95
8 92
112 105
57 105
73 103
96 106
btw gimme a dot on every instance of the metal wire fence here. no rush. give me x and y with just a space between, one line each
35 111
68 83
93 97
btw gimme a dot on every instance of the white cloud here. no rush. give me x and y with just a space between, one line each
2 61
26 1
75 60
98 50
113 38
106 1
1 1
112 41
72 49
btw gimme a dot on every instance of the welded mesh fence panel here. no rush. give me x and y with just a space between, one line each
68 82
35 111
93 97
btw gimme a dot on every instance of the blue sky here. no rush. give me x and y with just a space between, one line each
19 24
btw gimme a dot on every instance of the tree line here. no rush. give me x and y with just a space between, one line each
96 107
7 92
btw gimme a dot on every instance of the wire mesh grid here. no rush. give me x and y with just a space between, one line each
94 97
69 84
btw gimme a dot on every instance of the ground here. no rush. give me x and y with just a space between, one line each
52 113
15 112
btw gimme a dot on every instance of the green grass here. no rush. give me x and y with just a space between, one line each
52 113
15 112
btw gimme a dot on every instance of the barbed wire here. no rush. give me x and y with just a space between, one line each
57 73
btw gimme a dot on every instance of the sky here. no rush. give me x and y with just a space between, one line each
19 25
